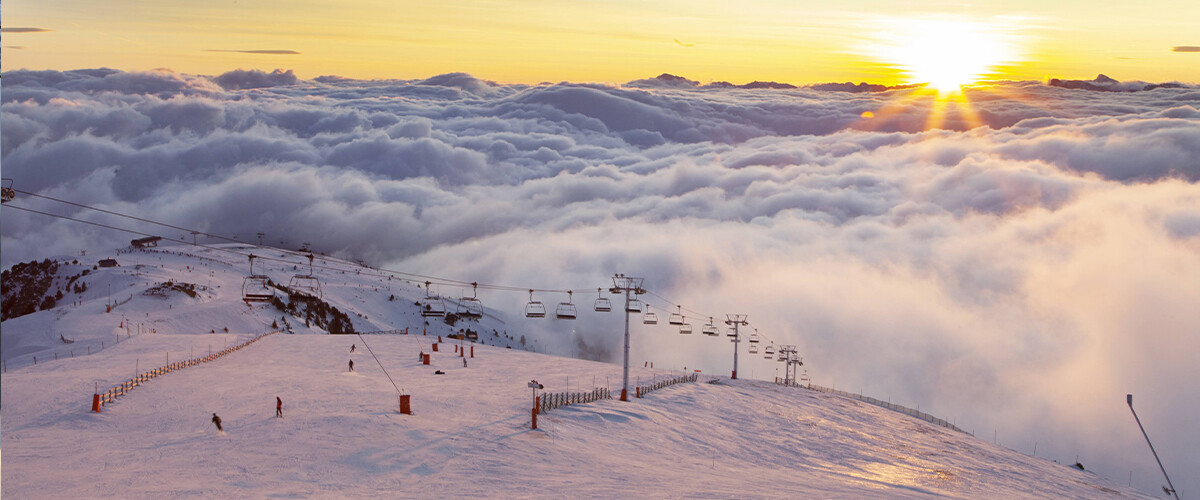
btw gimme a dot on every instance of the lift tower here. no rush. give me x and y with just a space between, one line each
631 287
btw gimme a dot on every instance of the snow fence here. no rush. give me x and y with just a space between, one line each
889 405
105 398
550 401
643 390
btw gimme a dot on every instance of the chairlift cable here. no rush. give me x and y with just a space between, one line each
435 279
385 272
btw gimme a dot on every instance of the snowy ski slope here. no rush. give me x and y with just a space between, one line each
469 435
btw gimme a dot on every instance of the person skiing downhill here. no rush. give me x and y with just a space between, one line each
278 407
352 347
352 365
217 420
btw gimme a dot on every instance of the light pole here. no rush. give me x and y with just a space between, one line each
1170 487
736 320
627 285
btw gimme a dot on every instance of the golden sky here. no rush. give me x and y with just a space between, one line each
532 41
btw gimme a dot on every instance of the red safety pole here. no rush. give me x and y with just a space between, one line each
472 351
536 402
96 403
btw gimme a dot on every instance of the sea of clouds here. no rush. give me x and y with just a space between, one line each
1017 265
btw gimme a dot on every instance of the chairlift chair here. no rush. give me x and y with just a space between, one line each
256 287
684 328
602 304
782 356
710 329
471 307
769 352
753 349
432 305
535 308
566 310
731 333
7 193
676 318
754 337
306 286
650 318
633 306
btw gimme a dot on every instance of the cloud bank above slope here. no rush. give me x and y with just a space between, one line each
1022 265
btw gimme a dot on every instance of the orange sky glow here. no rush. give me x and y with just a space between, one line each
615 41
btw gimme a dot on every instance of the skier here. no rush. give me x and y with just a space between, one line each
217 420
464 362
278 407
352 365
352 347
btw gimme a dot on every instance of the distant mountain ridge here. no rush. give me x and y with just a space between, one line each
669 81
1104 83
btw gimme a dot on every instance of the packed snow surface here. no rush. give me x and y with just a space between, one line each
469 434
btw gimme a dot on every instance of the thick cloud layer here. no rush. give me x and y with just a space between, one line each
1017 265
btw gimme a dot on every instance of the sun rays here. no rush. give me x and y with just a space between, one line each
941 56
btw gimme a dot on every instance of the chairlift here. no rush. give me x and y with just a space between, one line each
565 310
602 304
432 305
256 287
753 349
650 318
685 328
769 352
710 329
7 193
633 306
782 356
471 307
676 318
754 337
731 333
535 308
306 286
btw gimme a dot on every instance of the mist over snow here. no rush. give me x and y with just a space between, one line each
1019 267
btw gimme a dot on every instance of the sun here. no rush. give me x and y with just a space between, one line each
945 53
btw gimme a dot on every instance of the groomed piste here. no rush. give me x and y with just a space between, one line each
469 435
